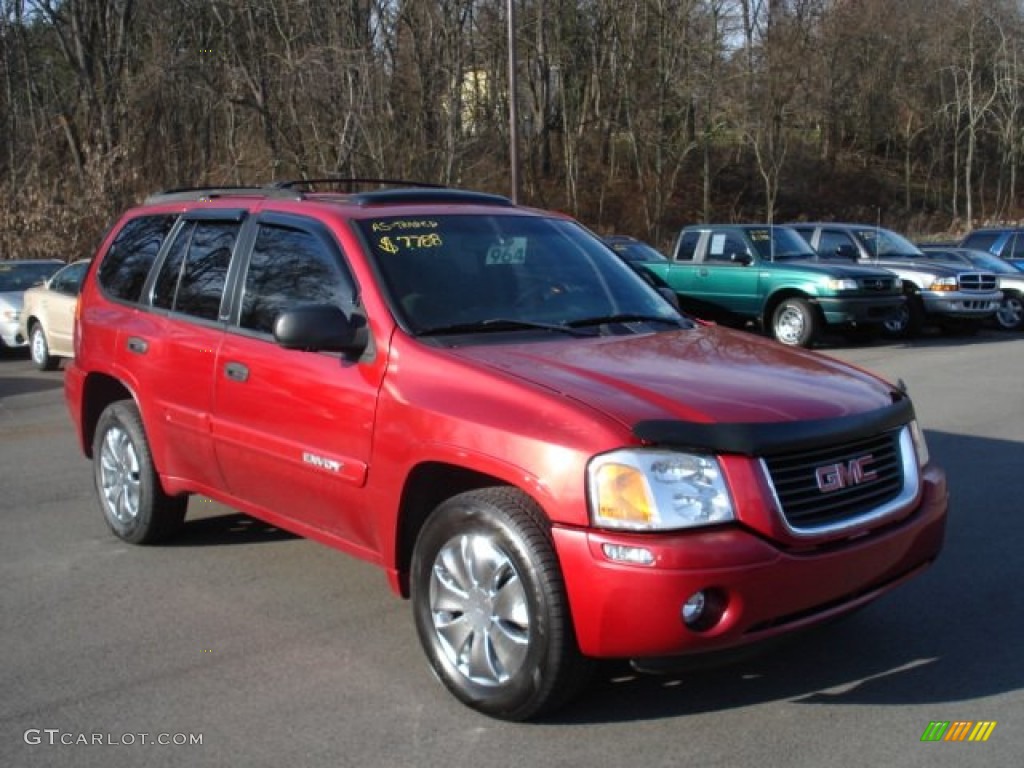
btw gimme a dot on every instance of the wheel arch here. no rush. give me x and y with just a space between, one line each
774 299
100 390
427 486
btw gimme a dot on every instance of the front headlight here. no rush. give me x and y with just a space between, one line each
920 446
944 284
655 490
842 284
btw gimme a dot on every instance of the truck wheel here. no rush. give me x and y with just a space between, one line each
490 605
1010 315
907 321
794 323
133 502
40 350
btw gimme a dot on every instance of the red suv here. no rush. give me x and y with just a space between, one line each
487 402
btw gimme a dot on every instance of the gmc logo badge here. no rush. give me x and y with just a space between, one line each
832 477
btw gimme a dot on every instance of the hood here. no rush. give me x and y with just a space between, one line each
704 375
928 266
833 268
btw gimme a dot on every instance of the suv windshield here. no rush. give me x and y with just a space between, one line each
462 273
778 243
884 242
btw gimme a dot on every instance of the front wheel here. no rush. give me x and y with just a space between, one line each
490 605
907 321
40 350
794 323
133 502
1010 315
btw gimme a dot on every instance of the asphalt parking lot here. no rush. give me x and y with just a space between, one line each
240 645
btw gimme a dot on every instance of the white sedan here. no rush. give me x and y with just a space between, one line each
48 315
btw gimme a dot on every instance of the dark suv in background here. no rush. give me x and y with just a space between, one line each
1006 242
951 296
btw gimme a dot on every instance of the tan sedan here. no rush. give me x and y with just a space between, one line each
48 315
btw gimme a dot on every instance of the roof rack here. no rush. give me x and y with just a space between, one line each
401 192
188 194
353 182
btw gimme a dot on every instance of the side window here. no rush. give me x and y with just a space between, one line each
191 280
725 246
127 263
69 280
288 268
1016 247
832 243
687 246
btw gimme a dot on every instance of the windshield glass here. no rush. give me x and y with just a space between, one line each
455 271
778 243
884 242
18 276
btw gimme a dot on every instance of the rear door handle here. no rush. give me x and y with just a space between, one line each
236 371
137 345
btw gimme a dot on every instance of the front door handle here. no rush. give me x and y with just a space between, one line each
236 371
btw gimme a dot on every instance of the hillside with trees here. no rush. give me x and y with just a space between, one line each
636 116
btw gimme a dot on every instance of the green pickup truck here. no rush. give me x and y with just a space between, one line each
740 273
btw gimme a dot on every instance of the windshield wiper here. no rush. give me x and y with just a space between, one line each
625 318
497 324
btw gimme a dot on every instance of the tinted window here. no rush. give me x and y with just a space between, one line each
192 277
687 246
126 265
290 268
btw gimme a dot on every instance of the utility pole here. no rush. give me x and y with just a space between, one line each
513 89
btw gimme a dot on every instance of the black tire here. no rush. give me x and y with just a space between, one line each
40 350
907 321
490 606
133 502
795 323
1010 315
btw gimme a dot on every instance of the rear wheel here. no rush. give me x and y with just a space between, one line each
40 350
795 323
133 502
490 605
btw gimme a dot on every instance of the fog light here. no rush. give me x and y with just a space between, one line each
704 609
620 553
693 609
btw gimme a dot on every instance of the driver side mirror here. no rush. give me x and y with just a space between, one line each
321 328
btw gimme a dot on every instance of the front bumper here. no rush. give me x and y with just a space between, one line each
10 334
859 310
960 304
634 611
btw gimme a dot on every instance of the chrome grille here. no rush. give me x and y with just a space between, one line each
797 479
978 281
